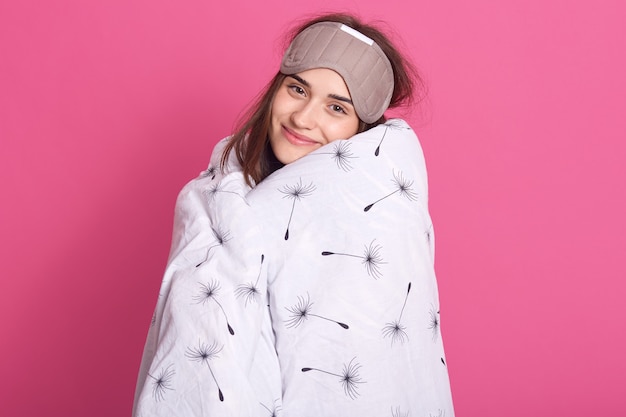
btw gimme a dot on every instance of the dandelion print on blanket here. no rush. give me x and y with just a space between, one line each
398 413
250 291
341 154
208 292
211 171
396 124
162 382
203 355
402 186
221 237
296 192
302 311
349 377
371 258
395 329
211 192
274 411
433 323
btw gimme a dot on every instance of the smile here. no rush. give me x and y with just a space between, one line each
296 139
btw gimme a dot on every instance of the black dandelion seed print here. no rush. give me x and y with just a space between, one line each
301 311
349 377
211 192
250 291
275 410
371 258
402 185
203 355
341 154
391 124
221 237
211 171
433 323
296 192
208 292
398 413
428 234
395 329
162 382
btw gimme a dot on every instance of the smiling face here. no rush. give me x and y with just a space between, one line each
310 109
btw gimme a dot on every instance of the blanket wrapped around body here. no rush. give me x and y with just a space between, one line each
311 294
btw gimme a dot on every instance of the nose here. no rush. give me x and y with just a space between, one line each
305 117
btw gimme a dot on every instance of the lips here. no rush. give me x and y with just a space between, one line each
296 139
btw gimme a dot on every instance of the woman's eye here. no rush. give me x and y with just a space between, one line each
337 108
297 89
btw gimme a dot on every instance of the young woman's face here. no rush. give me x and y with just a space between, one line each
310 109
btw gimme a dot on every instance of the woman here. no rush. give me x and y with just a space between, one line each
300 280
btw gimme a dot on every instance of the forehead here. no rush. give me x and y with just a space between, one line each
325 81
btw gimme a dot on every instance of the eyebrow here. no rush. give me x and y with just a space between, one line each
307 84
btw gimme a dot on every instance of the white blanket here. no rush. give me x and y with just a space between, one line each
311 294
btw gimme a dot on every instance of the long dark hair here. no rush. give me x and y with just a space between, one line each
250 142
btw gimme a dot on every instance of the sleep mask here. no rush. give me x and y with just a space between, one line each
364 67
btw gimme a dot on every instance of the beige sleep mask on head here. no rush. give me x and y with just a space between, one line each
358 59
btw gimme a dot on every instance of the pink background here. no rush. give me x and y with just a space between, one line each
108 108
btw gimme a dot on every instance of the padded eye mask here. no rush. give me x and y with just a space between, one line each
358 59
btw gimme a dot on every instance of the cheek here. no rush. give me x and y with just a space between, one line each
273 109
350 128
342 130
276 113
280 103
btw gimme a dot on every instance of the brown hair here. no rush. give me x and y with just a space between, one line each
250 142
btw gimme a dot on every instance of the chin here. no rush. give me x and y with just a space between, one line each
287 153
287 159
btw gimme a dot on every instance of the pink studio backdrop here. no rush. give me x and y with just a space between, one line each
108 108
